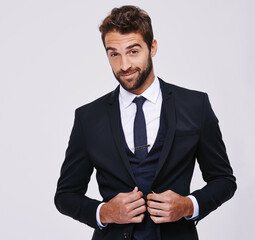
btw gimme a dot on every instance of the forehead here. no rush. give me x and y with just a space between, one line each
118 41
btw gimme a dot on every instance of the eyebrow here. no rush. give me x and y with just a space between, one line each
134 45
128 47
110 48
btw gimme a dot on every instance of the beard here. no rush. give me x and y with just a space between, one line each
137 82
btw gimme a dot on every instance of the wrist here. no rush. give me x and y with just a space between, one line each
103 214
189 207
99 223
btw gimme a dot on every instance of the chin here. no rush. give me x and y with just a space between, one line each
128 85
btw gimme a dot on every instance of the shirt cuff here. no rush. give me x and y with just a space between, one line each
195 208
99 224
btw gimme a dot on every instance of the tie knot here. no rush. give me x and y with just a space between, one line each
139 101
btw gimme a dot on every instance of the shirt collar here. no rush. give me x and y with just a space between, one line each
151 94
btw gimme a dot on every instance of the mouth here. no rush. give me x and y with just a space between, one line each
128 76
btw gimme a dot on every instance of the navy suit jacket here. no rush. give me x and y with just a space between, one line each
96 142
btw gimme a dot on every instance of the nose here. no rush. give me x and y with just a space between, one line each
125 63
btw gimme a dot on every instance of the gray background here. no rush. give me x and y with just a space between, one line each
52 61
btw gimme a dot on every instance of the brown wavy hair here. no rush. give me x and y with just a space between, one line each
128 19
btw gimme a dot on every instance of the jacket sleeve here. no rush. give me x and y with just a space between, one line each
214 164
75 175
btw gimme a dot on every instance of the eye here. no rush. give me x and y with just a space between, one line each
113 54
133 52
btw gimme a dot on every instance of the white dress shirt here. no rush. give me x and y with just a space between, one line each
152 110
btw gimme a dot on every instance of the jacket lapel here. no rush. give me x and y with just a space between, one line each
116 129
169 110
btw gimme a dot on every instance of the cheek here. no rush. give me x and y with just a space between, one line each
142 64
114 65
142 61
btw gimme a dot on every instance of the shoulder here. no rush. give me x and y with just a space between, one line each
191 106
183 95
98 105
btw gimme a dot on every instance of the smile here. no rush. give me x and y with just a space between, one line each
128 75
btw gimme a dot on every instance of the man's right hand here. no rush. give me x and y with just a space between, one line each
124 208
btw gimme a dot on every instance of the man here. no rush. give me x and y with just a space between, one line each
143 139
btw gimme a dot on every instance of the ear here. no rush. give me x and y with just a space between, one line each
154 47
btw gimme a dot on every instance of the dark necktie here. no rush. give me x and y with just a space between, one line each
140 136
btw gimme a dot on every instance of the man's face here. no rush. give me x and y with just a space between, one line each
130 60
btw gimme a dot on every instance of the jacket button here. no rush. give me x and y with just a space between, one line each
126 235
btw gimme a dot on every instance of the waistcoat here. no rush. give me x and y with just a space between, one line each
144 172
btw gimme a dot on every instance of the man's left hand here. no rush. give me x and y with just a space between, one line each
168 206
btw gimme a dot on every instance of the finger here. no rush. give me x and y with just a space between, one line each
136 204
137 211
158 212
135 189
137 219
133 196
158 205
159 219
155 197
149 196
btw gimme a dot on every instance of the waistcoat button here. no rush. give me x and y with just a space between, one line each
126 235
